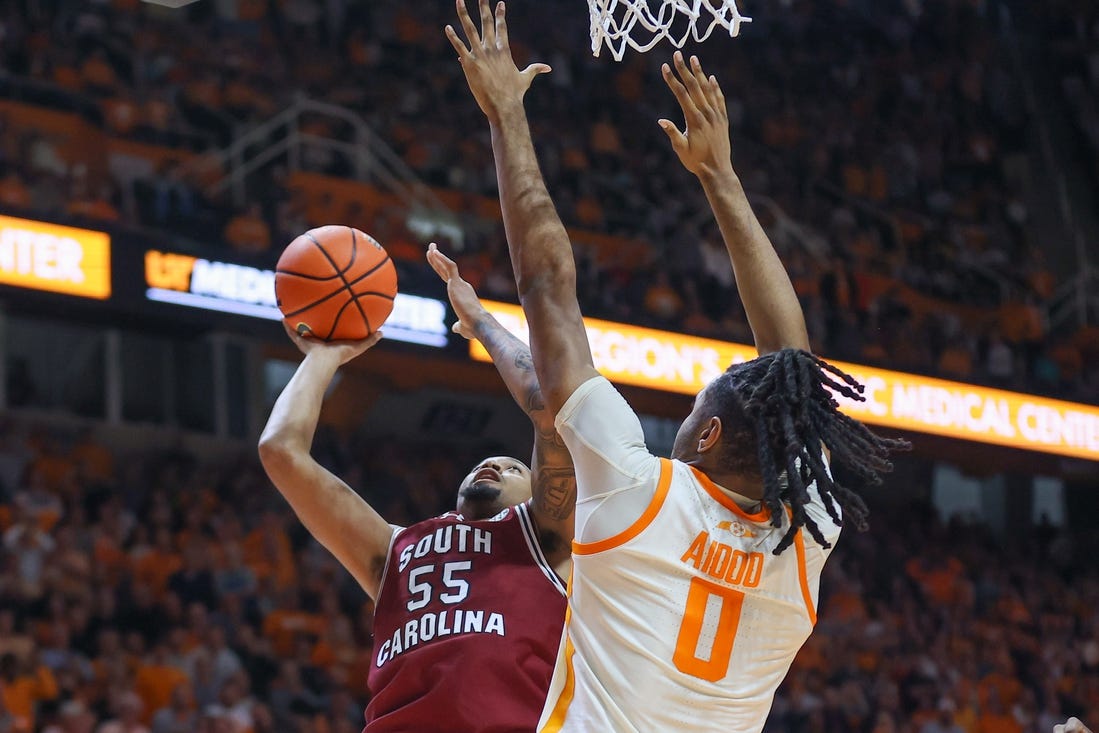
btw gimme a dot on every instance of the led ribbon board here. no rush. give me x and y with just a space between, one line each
59 259
675 362
243 290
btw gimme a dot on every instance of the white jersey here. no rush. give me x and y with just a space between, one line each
680 616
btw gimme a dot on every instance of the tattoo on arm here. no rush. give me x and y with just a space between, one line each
515 364
523 359
554 487
555 479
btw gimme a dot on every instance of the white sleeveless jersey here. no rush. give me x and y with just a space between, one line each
684 620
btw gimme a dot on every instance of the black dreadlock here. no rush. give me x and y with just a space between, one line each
780 403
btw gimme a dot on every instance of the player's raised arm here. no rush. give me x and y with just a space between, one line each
541 253
553 483
334 514
770 302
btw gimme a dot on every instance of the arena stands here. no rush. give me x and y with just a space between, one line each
1074 28
156 591
884 145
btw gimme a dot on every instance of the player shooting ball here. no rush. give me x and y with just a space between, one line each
468 606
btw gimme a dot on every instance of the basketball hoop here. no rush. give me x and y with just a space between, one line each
644 23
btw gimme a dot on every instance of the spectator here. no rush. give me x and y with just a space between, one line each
22 688
944 720
74 717
247 232
30 546
155 679
662 301
13 193
180 715
999 361
128 707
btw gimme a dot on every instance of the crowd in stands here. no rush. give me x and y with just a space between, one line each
153 592
883 143
1074 30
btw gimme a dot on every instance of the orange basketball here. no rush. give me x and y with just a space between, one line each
334 283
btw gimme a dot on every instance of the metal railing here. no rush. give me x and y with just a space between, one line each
371 160
1075 303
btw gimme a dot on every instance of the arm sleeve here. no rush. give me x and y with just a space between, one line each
616 475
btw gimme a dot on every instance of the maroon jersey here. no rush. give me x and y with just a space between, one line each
466 628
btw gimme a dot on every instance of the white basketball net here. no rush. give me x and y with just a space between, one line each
644 23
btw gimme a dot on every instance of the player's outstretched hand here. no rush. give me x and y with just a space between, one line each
463 298
496 82
341 351
1072 725
703 147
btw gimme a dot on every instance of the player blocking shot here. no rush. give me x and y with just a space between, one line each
694 583
469 606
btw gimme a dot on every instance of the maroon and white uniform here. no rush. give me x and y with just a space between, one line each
466 628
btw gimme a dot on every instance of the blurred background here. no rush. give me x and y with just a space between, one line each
928 170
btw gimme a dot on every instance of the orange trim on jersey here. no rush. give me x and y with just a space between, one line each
727 501
561 707
803 573
590 548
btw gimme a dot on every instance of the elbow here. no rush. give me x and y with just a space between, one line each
554 281
275 451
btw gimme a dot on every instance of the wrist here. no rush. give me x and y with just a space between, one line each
481 322
509 115
323 358
719 176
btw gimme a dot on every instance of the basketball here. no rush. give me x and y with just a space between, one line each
335 283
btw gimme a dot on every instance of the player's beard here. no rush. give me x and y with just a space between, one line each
482 491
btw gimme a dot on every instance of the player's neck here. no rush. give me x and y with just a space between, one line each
746 503
744 490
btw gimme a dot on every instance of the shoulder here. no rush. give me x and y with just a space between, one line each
595 391
597 420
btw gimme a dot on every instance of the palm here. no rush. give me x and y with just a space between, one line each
342 351
698 150
465 303
463 298
496 82
704 145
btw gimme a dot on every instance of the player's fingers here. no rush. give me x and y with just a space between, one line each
472 35
433 259
534 70
443 266
681 95
448 264
501 26
704 85
458 43
678 139
689 80
372 339
716 94
698 73
488 25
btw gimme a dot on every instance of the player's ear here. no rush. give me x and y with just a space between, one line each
710 435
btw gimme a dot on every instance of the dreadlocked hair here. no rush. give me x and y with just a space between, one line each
785 397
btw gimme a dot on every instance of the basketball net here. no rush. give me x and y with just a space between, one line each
644 23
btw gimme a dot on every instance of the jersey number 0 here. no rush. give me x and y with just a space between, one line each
686 657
